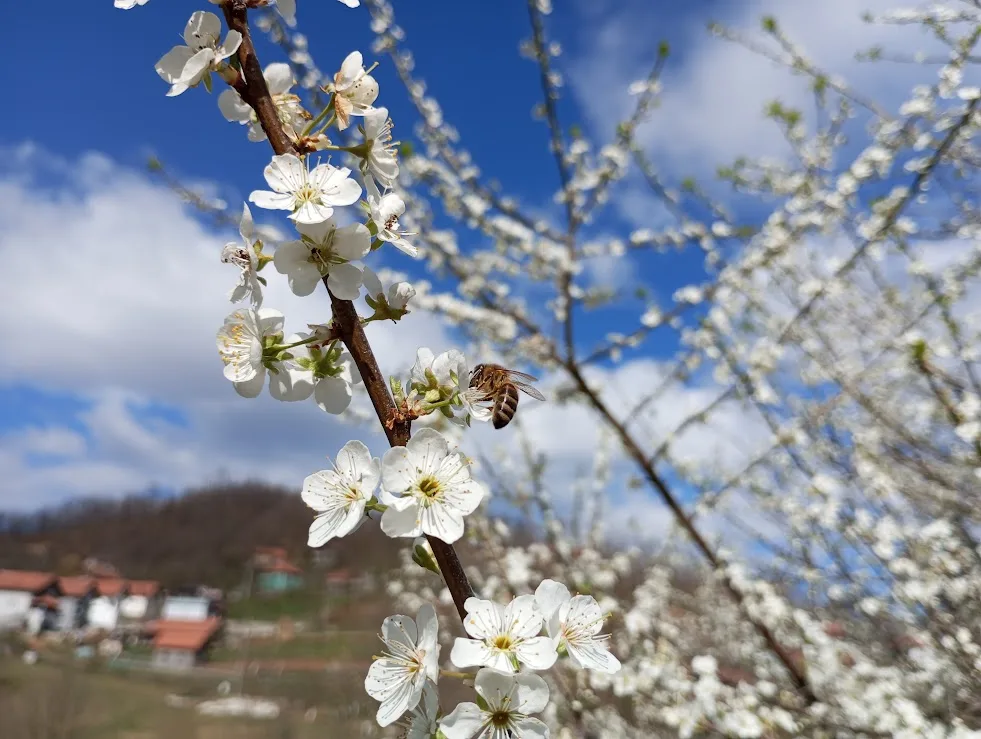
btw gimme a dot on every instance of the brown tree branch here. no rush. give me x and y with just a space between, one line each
345 317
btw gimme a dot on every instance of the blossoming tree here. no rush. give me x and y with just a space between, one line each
841 571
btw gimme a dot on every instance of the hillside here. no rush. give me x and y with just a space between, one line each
204 536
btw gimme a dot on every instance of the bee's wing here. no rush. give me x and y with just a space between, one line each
533 392
521 375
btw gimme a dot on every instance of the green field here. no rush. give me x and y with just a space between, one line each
346 646
64 701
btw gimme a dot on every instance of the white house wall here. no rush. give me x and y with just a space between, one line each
134 606
183 608
14 605
103 613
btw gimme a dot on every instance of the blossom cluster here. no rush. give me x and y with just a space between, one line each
829 352
507 646
423 488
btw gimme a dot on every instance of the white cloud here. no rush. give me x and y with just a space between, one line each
118 292
714 92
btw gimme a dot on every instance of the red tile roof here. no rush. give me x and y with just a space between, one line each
32 582
110 586
189 635
76 586
162 624
146 588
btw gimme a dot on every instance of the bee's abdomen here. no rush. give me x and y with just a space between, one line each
505 406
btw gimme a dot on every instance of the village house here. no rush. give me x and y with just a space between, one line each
196 604
73 606
181 645
20 592
104 609
273 572
144 601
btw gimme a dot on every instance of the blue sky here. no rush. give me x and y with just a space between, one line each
109 382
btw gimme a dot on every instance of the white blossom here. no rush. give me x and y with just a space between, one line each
354 90
510 700
187 66
434 486
573 622
385 212
324 250
504 636
380 161
241 341
339 495
423 721
279 80
411 660
323 369
311 195
243 256
392 304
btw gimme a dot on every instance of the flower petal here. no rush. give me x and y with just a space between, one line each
427 449
398 470
352 242
442 522
402 519
291 384
351 69
592 654
496 688
400 630
311 212
465 722
271 200
538 653
372 284
354 461
279 77
251 388
532 693
530 728
171 65
391 683
428 626
523 617
285 173
333 395
344 281
201 26
550 595
469 653
485 618
270 321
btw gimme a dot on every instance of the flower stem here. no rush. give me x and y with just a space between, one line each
319 119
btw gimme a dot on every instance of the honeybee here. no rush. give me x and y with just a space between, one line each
501 385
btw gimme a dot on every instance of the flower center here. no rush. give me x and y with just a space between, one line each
502 642
429 486
203 41
353 494
392 224
308 194
501 719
